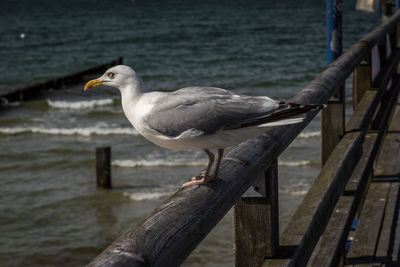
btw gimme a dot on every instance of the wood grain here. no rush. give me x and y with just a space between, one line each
370 222
312 215
386 238
389 157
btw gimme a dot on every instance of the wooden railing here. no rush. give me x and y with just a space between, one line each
173 230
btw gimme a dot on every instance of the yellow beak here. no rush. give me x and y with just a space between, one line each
93 83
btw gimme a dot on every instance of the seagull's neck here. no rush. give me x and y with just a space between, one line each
134 88
131 93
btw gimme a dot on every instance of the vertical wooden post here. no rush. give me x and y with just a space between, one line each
256 224
103 167
332 128
398 43
272 190
361 80
333 116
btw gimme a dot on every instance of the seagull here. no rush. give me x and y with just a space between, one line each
197 118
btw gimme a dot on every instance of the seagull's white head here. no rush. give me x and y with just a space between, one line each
120 77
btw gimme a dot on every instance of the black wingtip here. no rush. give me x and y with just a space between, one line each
306 107
285 110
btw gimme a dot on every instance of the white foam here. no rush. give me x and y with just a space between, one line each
128 163
294 163
298 193
155 163
290 191
87 131
139 196
79 104
4 102
309 134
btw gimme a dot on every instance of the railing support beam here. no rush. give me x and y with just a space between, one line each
332 123
361 80
256 224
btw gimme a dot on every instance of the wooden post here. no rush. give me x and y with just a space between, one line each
332 128
361 80
333 116
398 43
256 223
103 167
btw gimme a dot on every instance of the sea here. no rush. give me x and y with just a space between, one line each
51 213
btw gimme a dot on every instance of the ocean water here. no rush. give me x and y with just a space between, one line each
51 213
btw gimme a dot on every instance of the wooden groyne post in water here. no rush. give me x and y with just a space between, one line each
348 186
30 91
103 167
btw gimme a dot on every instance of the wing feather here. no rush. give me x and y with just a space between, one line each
204 110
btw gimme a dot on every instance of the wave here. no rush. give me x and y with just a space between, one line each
309 134
5 103
293 192
79 104
87 131
127 163
294 163
155 163
145 195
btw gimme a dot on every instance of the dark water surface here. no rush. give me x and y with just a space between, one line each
51 213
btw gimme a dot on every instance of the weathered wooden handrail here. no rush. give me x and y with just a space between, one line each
175 228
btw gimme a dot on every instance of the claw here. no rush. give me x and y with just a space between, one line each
198 177
194 182
203 177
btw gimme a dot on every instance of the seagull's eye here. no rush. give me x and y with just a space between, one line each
110 75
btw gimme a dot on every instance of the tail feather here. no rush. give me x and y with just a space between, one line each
283 122
287 113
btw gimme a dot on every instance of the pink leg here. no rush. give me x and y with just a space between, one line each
205 175
216 172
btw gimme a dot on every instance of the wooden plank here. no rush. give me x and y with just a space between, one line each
361 81
362 115
398 34
386 237
272 226
363 170
276 263
389 157
386 165
387 71
331 246
256 224
311 217
395 248
332 128
365 265
367 233
250 235
394 125
385 108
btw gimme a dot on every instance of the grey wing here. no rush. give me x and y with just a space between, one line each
205 110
